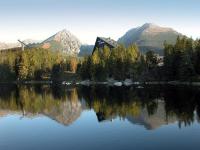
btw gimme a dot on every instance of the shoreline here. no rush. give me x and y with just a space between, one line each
108 83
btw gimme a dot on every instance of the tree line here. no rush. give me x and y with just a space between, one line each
34 64
181 62
119 63
43 64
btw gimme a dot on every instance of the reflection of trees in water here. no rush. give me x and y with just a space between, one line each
150 107
34 100
121 102
182 103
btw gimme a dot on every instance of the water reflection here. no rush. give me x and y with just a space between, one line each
149 107
57 104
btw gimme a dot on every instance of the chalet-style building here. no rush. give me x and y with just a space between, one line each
101 42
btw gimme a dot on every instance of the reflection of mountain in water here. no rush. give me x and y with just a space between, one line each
153 121
66 113
150 108
64 110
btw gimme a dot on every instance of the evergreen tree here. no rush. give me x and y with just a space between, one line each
186 69
73 64
180 59
197 57
151 59
168 61
22 66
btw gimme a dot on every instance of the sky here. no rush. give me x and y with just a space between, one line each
87 19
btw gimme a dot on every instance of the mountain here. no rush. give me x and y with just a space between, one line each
85 50
4 46
149 37
31 41
63 41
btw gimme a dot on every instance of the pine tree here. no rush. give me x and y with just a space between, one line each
197 57
106 53
73 64
186 69
151 59
132 56
22 66
168 61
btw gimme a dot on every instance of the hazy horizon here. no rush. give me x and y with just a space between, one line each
87 19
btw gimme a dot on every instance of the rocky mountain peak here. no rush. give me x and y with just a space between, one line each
153 28
149 37
63 41
148 25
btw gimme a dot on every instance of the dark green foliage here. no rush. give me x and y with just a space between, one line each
31 64
6 73
118 63
151 59
57 72
197 57
181 61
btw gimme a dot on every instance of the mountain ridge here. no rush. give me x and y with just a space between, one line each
149 36
63 41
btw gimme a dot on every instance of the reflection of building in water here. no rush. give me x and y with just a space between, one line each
157 119
101 117
142 117
66 106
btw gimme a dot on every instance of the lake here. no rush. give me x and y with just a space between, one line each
95 118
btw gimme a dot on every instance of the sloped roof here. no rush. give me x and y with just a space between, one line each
109 41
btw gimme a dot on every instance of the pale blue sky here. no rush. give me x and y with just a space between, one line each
38 19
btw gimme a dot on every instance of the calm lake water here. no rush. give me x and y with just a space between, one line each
95 118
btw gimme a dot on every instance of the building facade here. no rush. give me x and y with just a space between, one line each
101 42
